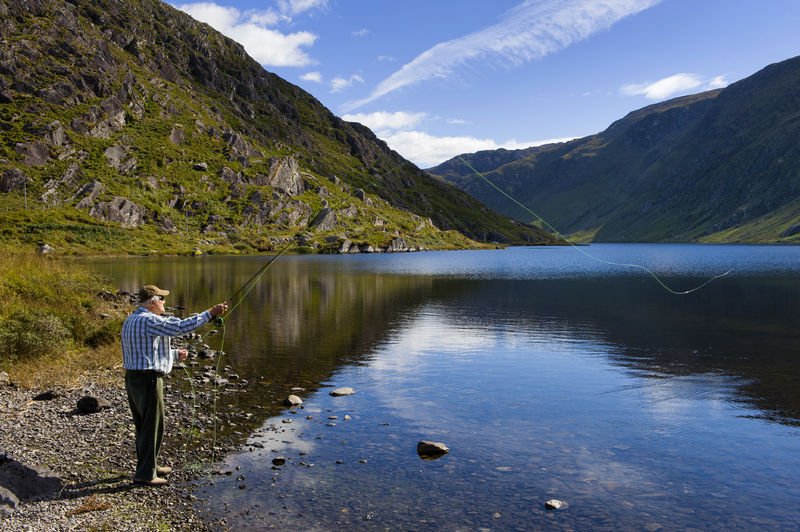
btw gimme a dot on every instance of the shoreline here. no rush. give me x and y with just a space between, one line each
94 456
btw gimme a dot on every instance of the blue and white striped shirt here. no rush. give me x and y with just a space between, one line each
146 339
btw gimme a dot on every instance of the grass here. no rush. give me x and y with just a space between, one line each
58 321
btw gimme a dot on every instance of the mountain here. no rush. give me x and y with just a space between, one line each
128 126
719 166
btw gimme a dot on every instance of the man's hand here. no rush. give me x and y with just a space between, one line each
182 354
219 309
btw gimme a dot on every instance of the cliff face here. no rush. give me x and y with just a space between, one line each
716 166
132 115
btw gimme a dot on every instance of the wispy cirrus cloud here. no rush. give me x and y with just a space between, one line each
525 33
253 30
674 85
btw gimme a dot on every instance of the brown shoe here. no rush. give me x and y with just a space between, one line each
163 470
157 481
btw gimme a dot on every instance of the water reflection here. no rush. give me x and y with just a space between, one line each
593 385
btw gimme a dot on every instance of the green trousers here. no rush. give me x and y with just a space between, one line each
146 398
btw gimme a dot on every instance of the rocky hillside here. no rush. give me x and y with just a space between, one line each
720 166
128 126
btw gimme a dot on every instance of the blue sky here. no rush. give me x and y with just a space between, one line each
436 78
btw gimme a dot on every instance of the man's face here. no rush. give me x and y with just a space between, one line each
157 307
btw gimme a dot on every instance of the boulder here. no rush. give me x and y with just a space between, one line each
12 179
397 245
177 135
555 504
201 167
431 449
45 249
284 176
90 404
23 482
339 392
325 220
33 153
121 210
88 194
5 380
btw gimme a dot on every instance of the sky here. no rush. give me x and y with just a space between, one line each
439 78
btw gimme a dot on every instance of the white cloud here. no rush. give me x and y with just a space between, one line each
674 85
338 84
456 121
527 32
315 77
381 121
426 150
295 7
251 29
363 32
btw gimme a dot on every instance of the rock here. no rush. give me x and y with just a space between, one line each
292 400
33 153
121 210
5 380
177 135
284 176
44 249
555 504
202 167
12 179
279 460
339 392
88 193
27 481
397 245
90 404
324 221
8 501
431 449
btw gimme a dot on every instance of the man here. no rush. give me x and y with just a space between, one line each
147 356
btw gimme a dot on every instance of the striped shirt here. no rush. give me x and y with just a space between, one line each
146 339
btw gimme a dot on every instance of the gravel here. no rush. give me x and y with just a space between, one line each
94 455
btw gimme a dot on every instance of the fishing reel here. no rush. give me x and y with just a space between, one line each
218 321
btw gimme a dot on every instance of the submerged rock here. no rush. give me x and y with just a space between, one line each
339 392
430 450
292 400
555 504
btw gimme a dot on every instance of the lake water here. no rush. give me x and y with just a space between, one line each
549 375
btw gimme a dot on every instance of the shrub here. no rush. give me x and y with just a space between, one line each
32 334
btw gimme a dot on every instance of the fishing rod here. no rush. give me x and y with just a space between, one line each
248 286
576 247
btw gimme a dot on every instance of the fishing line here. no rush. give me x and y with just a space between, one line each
576 247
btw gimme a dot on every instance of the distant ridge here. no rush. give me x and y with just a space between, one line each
719 166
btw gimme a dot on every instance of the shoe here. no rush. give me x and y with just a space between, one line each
163 470
157 481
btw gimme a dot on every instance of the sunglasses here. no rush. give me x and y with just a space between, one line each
160 298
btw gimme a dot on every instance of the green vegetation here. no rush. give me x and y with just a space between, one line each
57 320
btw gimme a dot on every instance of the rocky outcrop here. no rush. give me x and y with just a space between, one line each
121 210
56 189
118 158
284 176
33 153
88 194
324 221
397 245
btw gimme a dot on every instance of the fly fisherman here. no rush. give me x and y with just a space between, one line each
147 356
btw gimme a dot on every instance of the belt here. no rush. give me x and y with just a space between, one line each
146 372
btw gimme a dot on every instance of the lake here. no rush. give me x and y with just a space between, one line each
548 374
